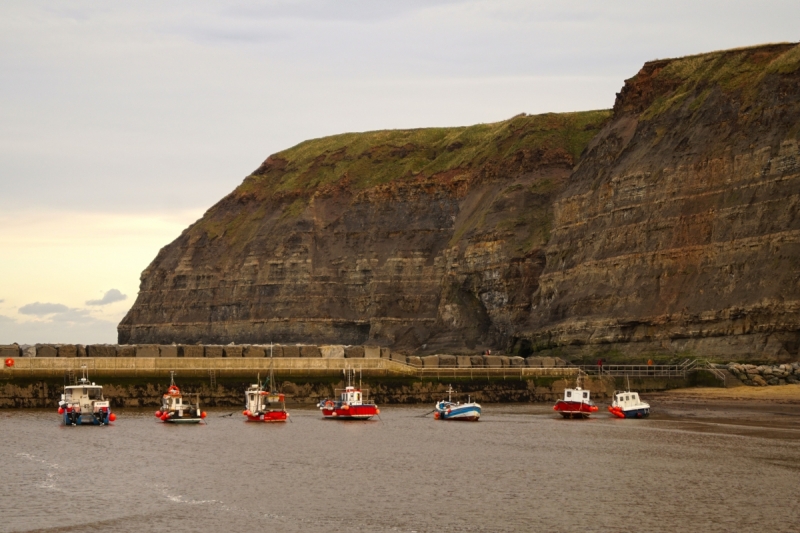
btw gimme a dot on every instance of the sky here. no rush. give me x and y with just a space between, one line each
122 122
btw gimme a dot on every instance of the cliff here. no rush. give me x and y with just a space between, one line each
425 240
665 228
679 231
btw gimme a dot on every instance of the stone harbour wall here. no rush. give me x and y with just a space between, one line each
277 350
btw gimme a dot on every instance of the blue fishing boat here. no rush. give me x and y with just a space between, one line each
449 410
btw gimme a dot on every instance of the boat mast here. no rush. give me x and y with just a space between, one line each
271 369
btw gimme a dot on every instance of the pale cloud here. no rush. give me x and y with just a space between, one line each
42 309
109 297
73 326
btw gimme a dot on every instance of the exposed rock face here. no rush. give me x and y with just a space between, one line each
423 239
677 233
680 229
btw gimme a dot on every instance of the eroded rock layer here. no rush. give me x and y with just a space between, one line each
423 239
679 232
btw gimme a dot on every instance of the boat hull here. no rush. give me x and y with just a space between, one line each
176 420
640 412
90 419
269 416
352 412
574 409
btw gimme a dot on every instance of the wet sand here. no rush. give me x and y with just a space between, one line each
783 394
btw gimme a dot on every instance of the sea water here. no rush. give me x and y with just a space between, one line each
521 468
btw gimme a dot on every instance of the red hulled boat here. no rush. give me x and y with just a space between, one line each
352 403
262 405
576 403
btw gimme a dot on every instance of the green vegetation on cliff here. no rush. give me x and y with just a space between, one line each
692 79
363 160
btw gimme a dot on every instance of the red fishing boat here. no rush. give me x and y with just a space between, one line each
352 403
576 403
263 405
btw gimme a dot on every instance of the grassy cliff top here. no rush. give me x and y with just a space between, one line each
738 70
378 157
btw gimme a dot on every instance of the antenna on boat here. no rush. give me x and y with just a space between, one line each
450 393
359 377
171 378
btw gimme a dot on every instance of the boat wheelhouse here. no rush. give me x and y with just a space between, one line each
174 410
449 410
352 403
627 404
83 404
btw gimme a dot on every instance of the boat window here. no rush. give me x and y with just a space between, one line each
569 394
626 398
94 394
585 394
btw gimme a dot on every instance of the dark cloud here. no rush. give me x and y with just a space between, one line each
110 297
41 309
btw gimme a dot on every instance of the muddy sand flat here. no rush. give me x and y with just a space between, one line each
773 394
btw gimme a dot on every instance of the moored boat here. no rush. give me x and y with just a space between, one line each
83 404
175 411
352 403
449 410
576 403
263 404
627 404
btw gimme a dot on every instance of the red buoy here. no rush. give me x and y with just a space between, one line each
61 410
9 362
112 417
203 414
246 412
158 414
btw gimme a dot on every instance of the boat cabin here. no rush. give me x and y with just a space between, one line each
576 395
83 395
260 400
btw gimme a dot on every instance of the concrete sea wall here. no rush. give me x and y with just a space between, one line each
278 351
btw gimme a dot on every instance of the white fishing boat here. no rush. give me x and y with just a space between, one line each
83 404
175 411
